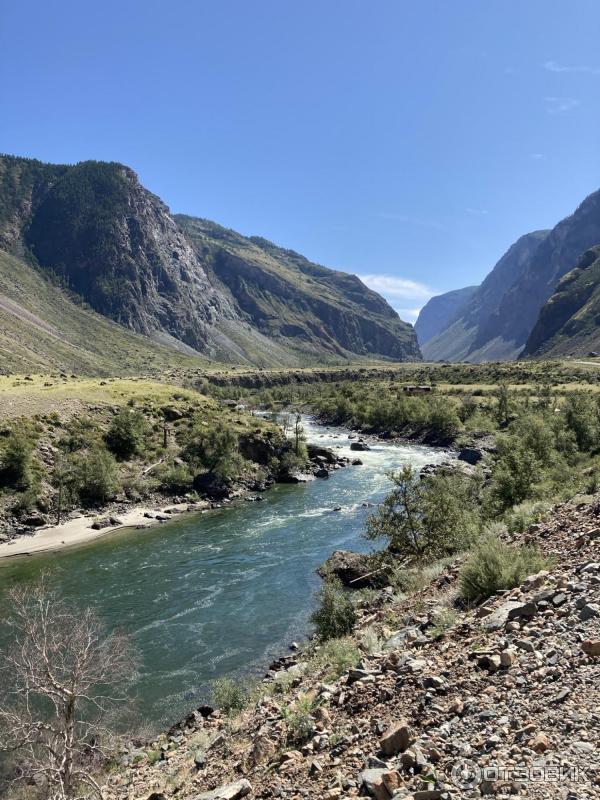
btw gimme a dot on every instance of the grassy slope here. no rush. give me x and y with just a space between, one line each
41 329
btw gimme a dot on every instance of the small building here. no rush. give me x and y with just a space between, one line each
417 389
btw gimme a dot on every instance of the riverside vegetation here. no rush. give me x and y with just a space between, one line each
454 536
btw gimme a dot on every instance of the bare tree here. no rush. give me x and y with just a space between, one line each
56 691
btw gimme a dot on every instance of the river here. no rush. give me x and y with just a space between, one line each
219 593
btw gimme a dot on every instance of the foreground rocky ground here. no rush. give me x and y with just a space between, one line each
502 699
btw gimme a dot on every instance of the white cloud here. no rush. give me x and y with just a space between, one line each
536 156
553 66
560 105
398 288
406 296
408 314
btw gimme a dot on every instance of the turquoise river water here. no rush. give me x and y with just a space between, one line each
220 593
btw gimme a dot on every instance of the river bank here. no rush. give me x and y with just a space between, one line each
80 530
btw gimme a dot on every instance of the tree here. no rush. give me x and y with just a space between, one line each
127 433
503 405
57 689
425 518
215 450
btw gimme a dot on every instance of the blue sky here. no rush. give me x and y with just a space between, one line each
408 142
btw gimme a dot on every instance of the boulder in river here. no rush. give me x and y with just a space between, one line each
359 446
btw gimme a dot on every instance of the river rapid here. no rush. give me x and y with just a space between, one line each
220 593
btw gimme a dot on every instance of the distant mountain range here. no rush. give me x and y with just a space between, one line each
100 242
520 307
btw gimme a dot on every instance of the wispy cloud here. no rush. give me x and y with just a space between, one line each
553 66
536 156
406 296
407 219
398 288
560 105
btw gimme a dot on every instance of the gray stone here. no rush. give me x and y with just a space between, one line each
589 611
232 791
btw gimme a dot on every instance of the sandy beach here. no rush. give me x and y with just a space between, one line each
78 531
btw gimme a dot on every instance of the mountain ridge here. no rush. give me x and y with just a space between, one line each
107 238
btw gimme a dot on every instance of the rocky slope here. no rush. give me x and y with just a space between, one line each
104 236
438 312
292 300
503 701
473 334
569 322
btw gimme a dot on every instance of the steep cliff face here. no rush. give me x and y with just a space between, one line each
116 245
556 255
476 333
569 322
438 312
298 302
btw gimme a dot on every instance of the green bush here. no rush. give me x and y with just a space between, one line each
215 450
127 434
299 719
175 479
335 616
337 656
494 565
95 476
519 518
17 460
229 696
426 518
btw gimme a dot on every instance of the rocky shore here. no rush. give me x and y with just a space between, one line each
502 700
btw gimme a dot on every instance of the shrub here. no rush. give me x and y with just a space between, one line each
229 696
17 460
494 565
127 433
95 476
337 656
299 719
519 518
515 473
175 479
335 617
424 519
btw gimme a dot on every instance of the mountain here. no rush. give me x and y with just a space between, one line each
439 311
290 299
556 255
569 322
94 228
473 334
42 329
